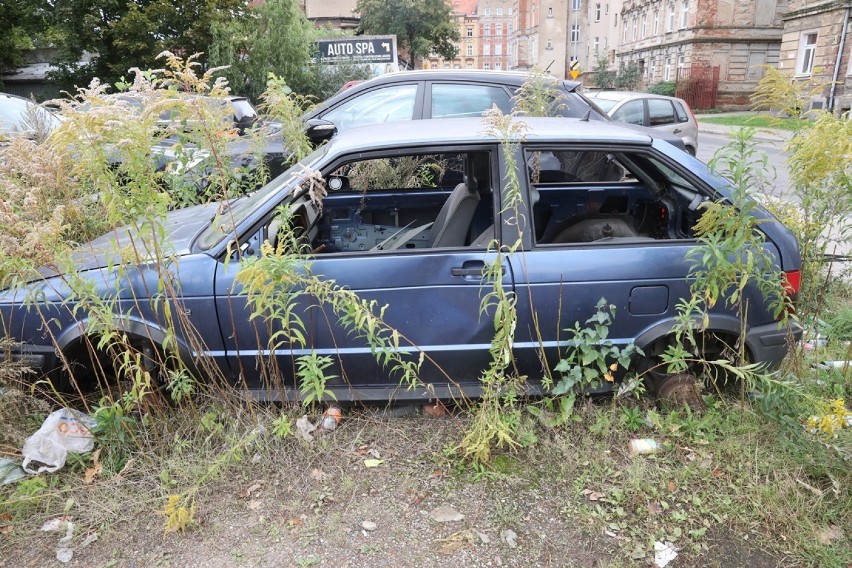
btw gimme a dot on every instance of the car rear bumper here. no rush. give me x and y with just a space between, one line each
769 343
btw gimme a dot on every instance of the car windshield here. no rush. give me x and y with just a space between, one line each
605 104
231 214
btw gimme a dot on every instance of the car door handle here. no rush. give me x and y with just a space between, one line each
471 268
676 131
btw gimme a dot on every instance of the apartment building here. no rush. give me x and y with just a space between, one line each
466 19
816 47
668 38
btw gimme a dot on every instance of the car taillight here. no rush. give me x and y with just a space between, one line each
792 283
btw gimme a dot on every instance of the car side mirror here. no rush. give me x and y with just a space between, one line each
319 130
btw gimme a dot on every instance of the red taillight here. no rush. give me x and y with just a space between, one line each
792 283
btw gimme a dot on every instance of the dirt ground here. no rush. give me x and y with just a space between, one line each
319 504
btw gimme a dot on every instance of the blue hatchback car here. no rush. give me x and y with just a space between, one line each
407 218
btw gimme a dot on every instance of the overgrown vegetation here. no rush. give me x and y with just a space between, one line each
626 78
180 439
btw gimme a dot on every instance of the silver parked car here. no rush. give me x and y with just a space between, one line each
669 114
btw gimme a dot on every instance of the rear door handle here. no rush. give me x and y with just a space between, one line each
676 131
469 268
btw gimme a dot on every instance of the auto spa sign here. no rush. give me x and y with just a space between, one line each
359 49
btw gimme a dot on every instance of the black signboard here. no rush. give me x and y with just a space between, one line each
360 49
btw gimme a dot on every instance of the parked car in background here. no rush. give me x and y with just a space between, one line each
23 117
669 114
417 95
405 220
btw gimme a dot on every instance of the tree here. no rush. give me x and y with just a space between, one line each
626 78
274 37
131 33
420 26
22 21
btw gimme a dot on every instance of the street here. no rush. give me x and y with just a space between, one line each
709 142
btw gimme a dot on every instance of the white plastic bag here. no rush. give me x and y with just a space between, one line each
62 432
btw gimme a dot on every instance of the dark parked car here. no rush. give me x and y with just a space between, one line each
407 220
416 95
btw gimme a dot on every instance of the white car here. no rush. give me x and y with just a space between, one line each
23 117
669 114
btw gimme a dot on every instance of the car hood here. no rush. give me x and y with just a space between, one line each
139 240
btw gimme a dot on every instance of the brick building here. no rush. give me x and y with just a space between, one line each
466 19
816 46
668 38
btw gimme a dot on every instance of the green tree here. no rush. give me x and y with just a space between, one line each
131 33
22 21
420 26
274 37
627 76
604 77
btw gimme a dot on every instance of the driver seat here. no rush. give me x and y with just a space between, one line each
453 222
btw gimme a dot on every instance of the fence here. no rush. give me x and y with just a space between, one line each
698 85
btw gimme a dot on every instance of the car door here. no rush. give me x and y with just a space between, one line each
598 231
429 294
661 115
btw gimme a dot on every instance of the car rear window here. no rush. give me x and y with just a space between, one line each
682 115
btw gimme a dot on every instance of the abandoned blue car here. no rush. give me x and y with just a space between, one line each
409 214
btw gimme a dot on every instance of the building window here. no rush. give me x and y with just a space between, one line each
667 70
470 65
635 27
807 47
575 33
652 71
499 29
456 66
498 66
549 45
469 49
597 45
487 11
486 66
656 22
597 12
624 35
486 30
615 25
606 9
470 31
446 65
486 49
681 62
575 5
550 12
498 49
684 14
670 24
644 26
499 11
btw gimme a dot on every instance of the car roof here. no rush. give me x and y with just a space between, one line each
624 95
510 78
448 131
